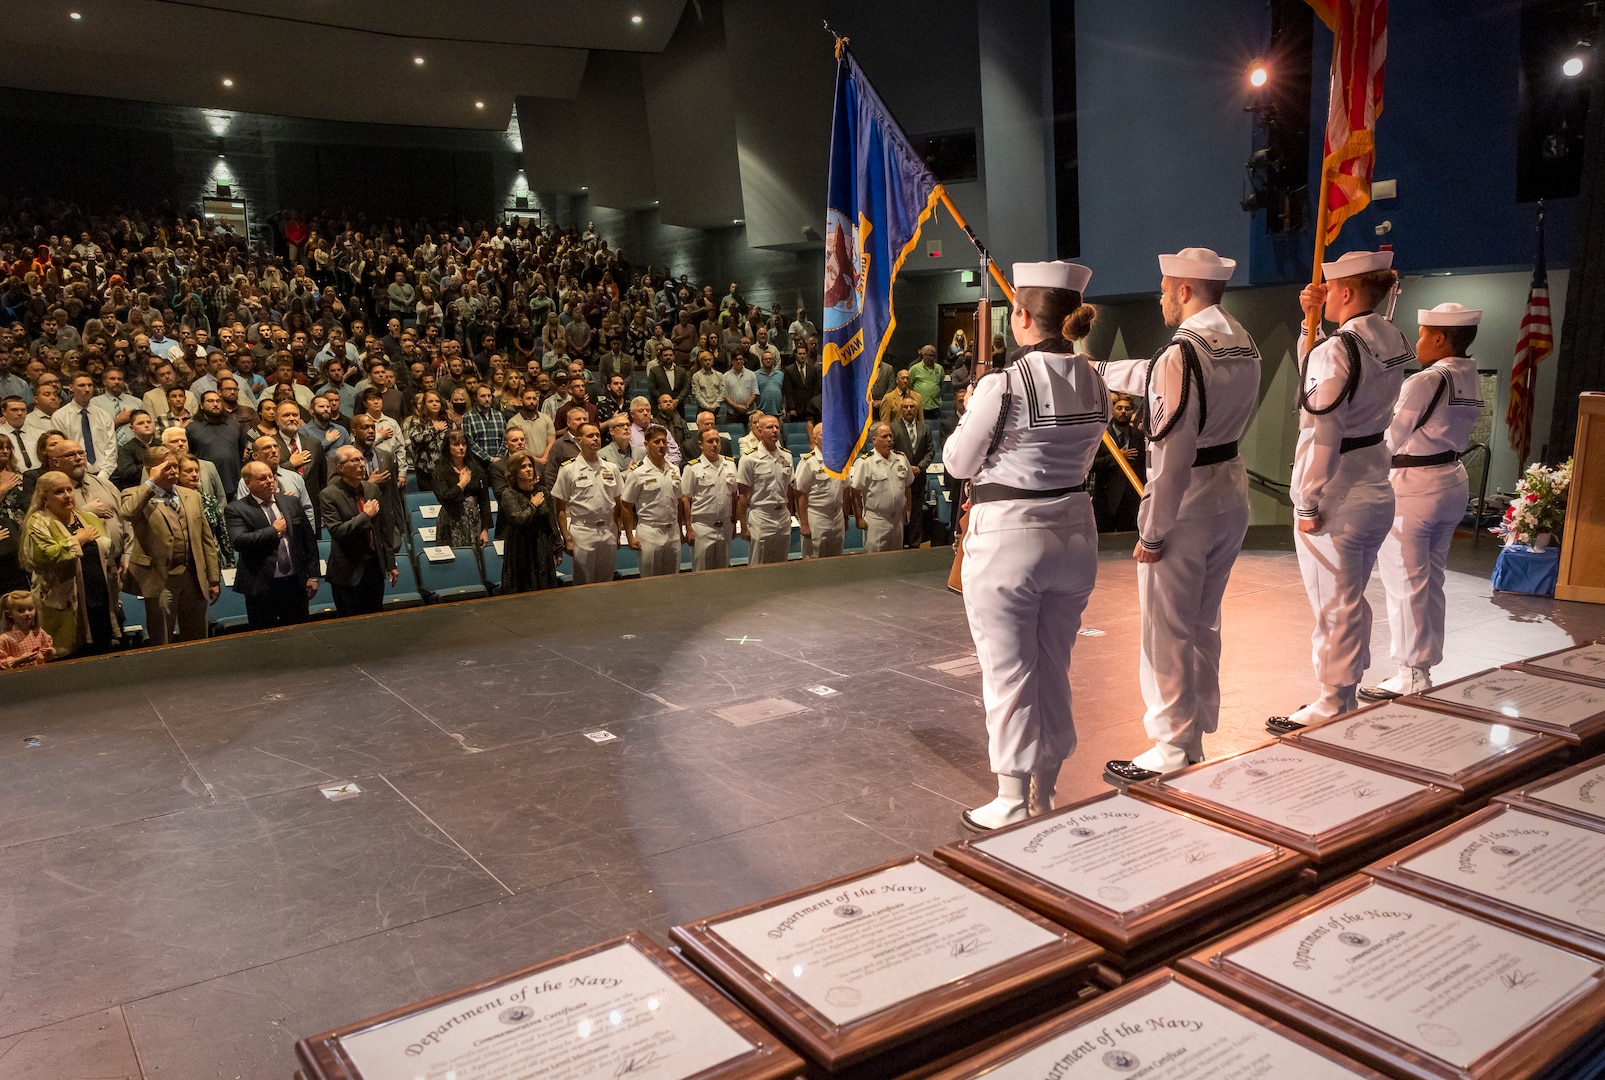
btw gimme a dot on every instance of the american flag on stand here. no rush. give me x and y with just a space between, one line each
1537 341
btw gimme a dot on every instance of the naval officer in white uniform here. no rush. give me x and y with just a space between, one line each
763 500
880 483
650 499
1342 501
1431 429
1199 395
587 494
1031 550
819 502
708 504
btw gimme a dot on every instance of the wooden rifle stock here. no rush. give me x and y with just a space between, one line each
983 359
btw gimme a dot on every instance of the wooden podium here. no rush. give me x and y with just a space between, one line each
1582 575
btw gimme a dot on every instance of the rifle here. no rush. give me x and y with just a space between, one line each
983 356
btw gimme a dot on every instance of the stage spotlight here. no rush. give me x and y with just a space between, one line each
1258 74
1573 67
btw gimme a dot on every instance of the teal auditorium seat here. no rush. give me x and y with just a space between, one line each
229 611
459 579
491 564
405 593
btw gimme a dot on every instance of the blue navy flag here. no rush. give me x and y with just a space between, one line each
880 194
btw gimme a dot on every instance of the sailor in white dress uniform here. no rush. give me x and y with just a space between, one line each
1025 444
1342 501
1431 429
650 498
1199 395
880 482
819 502
708 504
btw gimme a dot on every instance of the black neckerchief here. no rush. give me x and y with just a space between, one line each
1054 344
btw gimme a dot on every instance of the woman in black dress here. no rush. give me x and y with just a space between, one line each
13 509
531 550
463 487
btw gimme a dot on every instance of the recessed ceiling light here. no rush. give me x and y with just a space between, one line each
584 188
636 19
1572 68
479 104
735 221
418 60
228 82
77 16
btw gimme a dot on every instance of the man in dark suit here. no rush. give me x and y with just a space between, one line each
360 553
801 386
517 442
301 454
1114 500
912 438
277 572
381 471
669 378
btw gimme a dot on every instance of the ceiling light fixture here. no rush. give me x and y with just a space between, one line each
228 82
479 104
1258 74
1572 67
77 16
584 188
635 19
418 60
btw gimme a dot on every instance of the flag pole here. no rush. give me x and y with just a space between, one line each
1312 322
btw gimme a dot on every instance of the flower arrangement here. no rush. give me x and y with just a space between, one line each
1538 506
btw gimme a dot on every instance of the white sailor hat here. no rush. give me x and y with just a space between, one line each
1450 314
1052 275
1198 263
1356 263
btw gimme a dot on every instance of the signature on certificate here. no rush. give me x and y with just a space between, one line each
967 946
636 1064
1516 978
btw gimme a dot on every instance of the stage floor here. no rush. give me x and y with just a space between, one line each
179 898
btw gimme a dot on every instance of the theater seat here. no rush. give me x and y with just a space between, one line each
405 593
459 579
322 601
229 611
490 563
854 541
740 551
794 429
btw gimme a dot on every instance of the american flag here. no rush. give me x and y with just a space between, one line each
1359 51
1537 341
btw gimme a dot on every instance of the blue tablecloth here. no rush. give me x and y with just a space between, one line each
1521 570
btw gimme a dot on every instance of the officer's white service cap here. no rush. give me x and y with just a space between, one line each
1052 275
1356 263
1450 314
1198 263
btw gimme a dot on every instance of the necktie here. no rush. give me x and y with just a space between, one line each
89 436
22 444
282 566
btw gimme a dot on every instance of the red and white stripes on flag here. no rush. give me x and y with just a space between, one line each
1536 342
1361 28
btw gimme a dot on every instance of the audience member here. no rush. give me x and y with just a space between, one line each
879 482
462 484
13 510
650 498
74 578
189 475
586 494
708 493
819 502
277 571
912 438
763 494
1114 500
531 547
22 643
172 554
360 554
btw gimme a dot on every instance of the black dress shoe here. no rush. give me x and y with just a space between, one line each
1281 725
1376 693
1121 773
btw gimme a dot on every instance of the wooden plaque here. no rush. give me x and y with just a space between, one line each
1140 879
1584 662
1412 987
1582 575
1564 707
1161 1016
644 1024
1577 794
842 980
1480 863
1473 756
1335 812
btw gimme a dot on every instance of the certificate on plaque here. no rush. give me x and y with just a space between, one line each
1316 804
1391 977
623 1008
861 964
1452 751
1578 794
1161 1027
1535 873
1583 662
1574 710
1129 874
